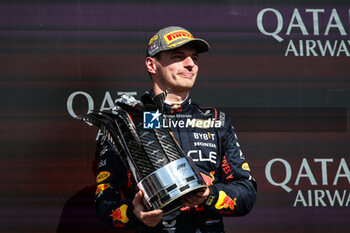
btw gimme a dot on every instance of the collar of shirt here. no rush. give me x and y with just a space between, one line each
175 107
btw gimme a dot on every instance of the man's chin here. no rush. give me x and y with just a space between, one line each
185 88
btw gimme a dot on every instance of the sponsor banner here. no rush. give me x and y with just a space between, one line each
307 32
313 182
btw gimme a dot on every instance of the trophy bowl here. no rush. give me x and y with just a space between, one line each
164 187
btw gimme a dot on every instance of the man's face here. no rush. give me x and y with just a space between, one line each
177 69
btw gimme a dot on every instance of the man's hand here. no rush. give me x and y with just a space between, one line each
150 218
196 198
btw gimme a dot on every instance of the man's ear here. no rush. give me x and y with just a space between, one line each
150 65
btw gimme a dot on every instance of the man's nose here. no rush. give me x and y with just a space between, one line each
188 62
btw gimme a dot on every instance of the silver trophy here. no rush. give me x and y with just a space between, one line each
159 166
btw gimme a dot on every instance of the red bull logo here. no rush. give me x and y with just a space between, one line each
209 179
225 202
120 214
176 108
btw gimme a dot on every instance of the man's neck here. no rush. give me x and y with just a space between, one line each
176 98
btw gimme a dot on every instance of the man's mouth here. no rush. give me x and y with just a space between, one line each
186 74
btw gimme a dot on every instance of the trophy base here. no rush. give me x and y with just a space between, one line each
164 187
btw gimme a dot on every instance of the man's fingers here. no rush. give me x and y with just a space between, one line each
151 218
189 201
196 198
137 198
139 194
153 213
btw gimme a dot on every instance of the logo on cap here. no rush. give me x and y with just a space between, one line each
176 35
153 39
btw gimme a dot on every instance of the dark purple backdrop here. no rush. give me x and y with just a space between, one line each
290 108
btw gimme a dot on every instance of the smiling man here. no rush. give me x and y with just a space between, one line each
172 61
174 69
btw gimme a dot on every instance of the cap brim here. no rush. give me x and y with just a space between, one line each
200 45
